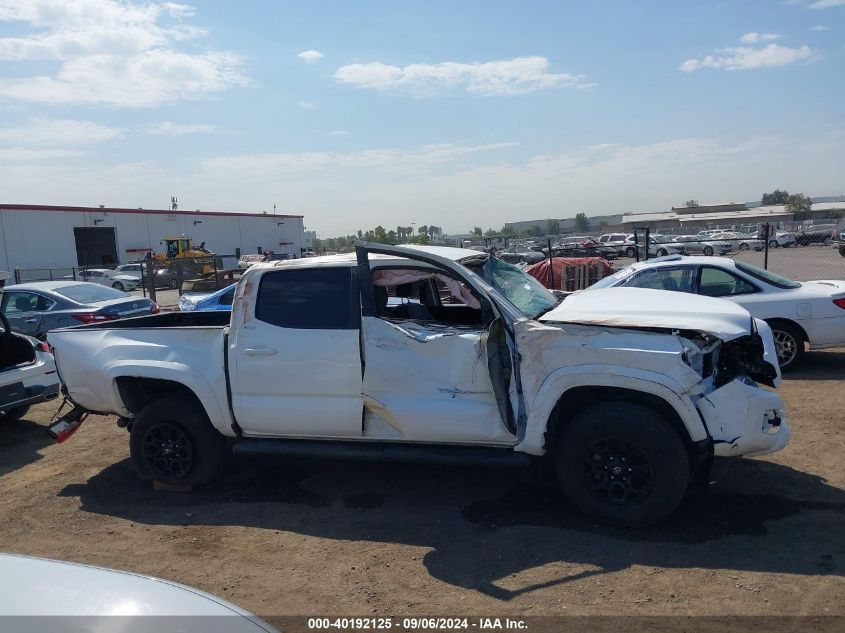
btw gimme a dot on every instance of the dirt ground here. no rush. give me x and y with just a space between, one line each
348 538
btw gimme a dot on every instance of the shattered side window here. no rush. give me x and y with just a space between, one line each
527 294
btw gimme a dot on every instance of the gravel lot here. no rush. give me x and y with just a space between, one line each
320 537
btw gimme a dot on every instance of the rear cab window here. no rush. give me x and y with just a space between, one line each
308 299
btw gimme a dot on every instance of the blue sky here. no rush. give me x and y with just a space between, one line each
452 113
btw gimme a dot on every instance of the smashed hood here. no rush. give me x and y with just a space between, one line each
644 308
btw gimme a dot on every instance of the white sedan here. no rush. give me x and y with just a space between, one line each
811 312
106 277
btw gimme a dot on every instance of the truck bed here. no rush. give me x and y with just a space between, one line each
217 319
187 348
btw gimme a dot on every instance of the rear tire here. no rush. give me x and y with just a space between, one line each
173 442
117 286
743 246
630 252
662 252
15 414
773 243
622 463
789 344
708 250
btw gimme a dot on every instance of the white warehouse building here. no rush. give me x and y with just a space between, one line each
42 236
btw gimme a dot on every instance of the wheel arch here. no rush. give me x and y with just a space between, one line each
566 391
773 321
135 392
577 399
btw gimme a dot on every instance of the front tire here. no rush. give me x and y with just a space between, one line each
789 344
773 243
622 463
15 414
172 441
630 252
117 286
662 252
708 250
743 246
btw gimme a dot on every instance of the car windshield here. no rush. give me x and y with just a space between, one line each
613 279
527 294
90 293
767 276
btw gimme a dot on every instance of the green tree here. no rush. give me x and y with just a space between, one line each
476 230
360 234
536 231
775 197
506 230
400 232
799 206
582 223
552 227
391 237
490 232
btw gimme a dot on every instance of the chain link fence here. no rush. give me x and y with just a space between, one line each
811 252
163 281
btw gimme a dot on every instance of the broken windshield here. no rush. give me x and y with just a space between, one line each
527 294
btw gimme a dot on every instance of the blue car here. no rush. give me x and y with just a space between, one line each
204 301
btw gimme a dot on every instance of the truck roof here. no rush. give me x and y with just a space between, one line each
350 259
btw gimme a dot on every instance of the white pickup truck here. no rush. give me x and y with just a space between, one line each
629 393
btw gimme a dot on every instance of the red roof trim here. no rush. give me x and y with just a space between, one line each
47 207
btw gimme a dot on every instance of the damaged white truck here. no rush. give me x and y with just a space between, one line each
629 393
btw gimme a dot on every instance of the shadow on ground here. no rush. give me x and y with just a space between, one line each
20 442
821 365
486 525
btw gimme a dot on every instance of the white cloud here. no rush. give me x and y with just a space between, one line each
746 58
168 128
489 187
505 77
337 133
36 131
754 38
111 52
310 57
305 105
819 27
826 4
17 154
272 166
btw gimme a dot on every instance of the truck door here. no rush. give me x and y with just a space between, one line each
429 379
294 356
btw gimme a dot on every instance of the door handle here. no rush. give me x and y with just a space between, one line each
32 320
260 351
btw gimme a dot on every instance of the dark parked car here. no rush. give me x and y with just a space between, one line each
38 307
583 247
820 234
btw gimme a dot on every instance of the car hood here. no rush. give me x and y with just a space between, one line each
38 586
644 308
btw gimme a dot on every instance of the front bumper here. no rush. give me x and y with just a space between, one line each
744 420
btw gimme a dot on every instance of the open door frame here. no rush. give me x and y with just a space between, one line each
502 355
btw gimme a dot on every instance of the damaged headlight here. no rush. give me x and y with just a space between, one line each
743 357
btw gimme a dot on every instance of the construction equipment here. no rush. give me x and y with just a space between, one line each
183 248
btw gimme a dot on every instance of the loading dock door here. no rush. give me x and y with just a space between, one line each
95 246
